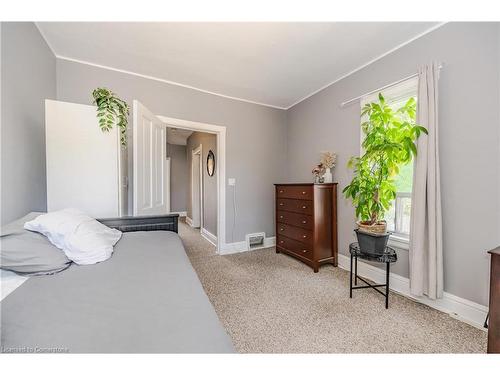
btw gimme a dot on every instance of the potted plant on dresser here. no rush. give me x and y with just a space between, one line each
389 143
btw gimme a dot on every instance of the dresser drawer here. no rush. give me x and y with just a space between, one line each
294 192
299 234
292 218
295 205
294 246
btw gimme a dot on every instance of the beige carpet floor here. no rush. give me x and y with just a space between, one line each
271 303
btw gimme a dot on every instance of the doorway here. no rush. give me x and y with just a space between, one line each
218 180
202 186
152 178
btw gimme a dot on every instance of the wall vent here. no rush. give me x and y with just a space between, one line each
255 240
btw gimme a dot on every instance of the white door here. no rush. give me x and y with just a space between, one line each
150 163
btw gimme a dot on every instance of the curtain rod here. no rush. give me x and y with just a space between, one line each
347 102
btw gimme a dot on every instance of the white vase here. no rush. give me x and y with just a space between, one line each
328 176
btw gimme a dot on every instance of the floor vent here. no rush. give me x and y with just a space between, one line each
255 240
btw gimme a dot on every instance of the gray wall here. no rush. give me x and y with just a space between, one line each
255 136
208 142
469 143
28 77
178 177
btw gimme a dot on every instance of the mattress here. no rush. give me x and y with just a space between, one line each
146 298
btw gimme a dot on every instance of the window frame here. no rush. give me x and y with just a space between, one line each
400 92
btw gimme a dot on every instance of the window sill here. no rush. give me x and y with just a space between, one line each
399 242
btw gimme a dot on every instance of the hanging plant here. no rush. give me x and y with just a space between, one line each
111 110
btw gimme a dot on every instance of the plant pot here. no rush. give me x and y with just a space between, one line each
372 243
377 228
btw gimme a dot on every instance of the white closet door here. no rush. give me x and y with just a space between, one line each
83 163
150 163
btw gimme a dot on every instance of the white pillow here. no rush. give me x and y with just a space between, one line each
82 238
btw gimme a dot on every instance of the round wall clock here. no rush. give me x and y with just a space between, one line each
210 163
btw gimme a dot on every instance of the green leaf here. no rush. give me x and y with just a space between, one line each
413 148
422 129
111 109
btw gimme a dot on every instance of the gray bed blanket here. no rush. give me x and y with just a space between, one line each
146 299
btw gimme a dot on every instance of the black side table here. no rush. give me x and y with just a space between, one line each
389 256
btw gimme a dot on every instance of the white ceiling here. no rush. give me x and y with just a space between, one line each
276 64
178 136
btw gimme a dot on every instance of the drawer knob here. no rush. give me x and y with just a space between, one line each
281 204
281 191
282 229
304 222
304 251
281 241
304 207
281 217
303 193
304 236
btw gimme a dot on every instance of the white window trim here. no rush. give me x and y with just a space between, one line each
402 243
396 92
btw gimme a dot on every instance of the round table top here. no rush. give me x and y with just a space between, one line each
389 255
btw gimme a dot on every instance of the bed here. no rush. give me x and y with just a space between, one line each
146 298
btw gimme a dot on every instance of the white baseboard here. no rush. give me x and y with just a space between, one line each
240 247
209 236
189 221
180 213
457 307
233 247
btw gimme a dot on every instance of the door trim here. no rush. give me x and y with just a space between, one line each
197 151
220 132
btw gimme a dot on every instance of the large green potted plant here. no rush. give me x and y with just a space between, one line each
389 143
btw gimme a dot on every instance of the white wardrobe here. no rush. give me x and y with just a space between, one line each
88 169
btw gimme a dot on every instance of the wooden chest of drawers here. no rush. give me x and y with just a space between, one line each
494 326
306 222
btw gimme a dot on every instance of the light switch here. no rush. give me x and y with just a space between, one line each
231 181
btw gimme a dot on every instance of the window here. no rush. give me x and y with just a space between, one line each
398 217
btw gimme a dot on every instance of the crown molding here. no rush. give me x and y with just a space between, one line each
153 78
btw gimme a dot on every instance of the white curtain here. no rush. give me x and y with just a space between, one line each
426 243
